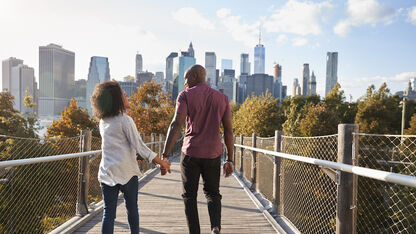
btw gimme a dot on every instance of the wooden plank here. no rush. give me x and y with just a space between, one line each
161 209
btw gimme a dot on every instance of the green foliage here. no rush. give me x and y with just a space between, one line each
319 120
73 120
257 115
379 112
412 129
335 101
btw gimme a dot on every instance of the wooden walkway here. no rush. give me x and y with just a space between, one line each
162 210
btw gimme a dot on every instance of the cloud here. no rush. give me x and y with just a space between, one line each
299 41
282 38
302 18
362 12
191 17
240 31
399 78
412 15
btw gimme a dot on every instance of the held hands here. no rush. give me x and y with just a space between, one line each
228 169
164 166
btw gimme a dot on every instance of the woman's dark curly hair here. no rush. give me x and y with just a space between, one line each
107 100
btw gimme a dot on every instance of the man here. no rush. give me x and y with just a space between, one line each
204 109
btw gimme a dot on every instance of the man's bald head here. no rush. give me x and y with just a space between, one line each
195 75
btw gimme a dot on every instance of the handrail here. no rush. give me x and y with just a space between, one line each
361 171
19 162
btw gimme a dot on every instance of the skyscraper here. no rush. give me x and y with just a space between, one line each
259 59
143 77
7 71
22 83
191 52
139 64
305 79
277 82
169 66
56 79
159 77
180 65
296 88
312 84
244 65
98 72
331 71
211 67
80 93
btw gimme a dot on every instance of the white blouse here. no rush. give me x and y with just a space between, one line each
120 143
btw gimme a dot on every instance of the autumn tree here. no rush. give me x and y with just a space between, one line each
258 114
335 101
379 112
319 120
73 120
151 109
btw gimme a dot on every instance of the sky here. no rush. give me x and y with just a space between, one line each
375 39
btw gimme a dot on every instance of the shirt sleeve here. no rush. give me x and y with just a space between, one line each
181 104
227 113
133 136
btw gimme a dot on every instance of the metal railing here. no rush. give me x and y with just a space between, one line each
45 182
311 182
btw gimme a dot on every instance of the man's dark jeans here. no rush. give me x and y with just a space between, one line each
110 197
191 169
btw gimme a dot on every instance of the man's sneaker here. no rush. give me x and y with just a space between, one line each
215 230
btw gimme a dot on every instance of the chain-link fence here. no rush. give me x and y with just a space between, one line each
265 167
385 207
37 198
308 195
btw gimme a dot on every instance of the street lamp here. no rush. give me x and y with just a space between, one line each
403 104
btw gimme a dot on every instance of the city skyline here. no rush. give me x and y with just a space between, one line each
374 44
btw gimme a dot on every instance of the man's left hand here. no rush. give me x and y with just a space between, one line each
228 169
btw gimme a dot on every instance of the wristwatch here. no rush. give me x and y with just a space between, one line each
229 160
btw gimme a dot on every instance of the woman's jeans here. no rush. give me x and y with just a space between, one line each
110 197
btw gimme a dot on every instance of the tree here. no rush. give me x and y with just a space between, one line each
412 129
379 112
335 100
319 120
73 120
258 115
151 109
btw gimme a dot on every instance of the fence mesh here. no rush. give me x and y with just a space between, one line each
385 207
38 198
265 168
308 195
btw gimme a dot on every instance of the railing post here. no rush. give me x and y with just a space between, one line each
253 162
83 175
277 206
344 214
355 160
153 146
160 144
241 156
234 153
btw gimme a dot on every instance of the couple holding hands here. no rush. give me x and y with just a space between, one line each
204 110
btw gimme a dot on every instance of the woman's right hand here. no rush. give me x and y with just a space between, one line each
164 166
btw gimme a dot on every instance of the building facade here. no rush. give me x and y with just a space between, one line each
244 64
23 83
312 84
80 93
256 84
331 71
259 59
305 79
98 72
139 65
129 87
277 82
56 79
144 77
296 88
7 66
159 77
211 68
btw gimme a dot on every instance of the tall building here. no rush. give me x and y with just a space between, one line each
129 78
139 64
331 71
191 52
144 77
56 79
305 79
312 84
259 59
169 66
256 84
277 82
180 65
244 65
226 64
7 66
296 88
159 77
80 93
98 72
129 87
211 68
22 83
